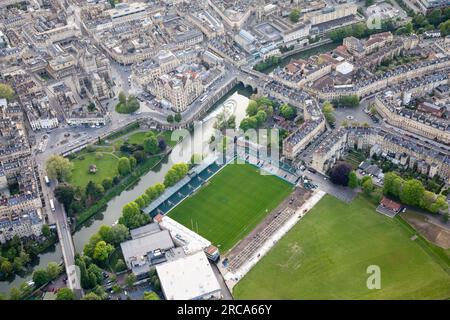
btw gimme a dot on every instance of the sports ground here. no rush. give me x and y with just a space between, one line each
231 204
326 255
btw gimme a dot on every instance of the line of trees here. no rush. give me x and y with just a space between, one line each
267 63
175 174
359 30
328 112
346 101
412 192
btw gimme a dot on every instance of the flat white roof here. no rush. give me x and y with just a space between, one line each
344 67
187 278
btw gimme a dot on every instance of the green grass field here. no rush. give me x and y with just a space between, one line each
232 204
106 158
106 168
325 256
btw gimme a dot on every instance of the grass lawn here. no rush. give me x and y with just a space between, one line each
325 256
138 137
106 168
107 164
232 204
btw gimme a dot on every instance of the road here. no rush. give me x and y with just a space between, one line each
65 238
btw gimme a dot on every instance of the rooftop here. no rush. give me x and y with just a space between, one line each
187 278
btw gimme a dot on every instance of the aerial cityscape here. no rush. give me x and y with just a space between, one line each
224 150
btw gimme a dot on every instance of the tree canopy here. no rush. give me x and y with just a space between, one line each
65 294
294 15
132 217
175 174
124 166
59 168
340 173
6 92
287 111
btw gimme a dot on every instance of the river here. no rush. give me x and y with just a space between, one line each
235 100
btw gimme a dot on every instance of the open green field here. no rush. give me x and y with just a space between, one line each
106 168
326 255
138 137
106 158
232 204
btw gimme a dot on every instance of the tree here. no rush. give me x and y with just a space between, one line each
294 15
248 123
154 191
151 144
130 280
261 117
328 112
102 251
124 166
59 168
392 184
46 232
107 183
6 267
139 155
175 174
15 294
120 265
435 17
53 270
17 264
6 92
40 277
133 162
162 145
91 296
65 294
65 193
118 234
122 97
125 105
367 186
170 118
140 201
352 180
444 28
427 200
347 101
340 173
95 274
439 204
252 108
94 191
412 192
132 217
406 30
84 277
150 296
89 248
287 111
177 117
